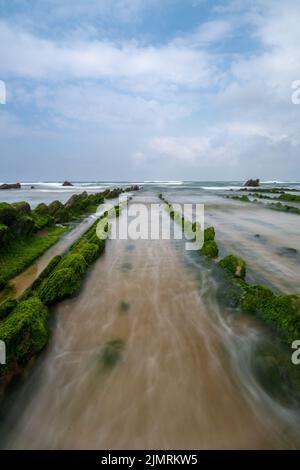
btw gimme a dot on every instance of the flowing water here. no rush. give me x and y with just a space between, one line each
146 357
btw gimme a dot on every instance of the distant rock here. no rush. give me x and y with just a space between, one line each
134 187
10 186
252 183
67 183
32 187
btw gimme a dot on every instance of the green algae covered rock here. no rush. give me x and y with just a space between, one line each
42 217
234 265
41 209
289 197
74 261
256 298
209 234
46 272
23 226
55 206
281 311
89 251
274 370
3 233
7 307
8 213
111 353
78 202
22 207
210 249
63 215
3 282
230 291
62 283
25 330
42 221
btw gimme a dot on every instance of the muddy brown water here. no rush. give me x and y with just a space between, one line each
177 382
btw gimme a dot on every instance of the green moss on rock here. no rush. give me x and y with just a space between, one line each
89 251
22 207
63 215
289 197
74 261
276 373
281 311
41 209
229 291
54 207
209 234
46 272
78 202
124 307
62 283
3 233
23 226
234 265
111 353
7 307
3 282
24 331
255 298
8 213
210 249
42 221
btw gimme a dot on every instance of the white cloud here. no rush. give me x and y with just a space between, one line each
29 56
94 107
250 129
192 150
188 103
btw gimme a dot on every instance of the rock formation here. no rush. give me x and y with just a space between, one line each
252 183
10 186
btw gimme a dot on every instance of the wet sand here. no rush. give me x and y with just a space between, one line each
266 239
177 384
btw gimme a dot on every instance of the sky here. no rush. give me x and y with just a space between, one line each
149 90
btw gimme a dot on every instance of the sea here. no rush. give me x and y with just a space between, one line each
35 192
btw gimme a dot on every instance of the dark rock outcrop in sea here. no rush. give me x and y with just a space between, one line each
67 183
10 186
252 183
134 187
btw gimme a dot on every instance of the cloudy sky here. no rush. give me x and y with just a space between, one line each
149 89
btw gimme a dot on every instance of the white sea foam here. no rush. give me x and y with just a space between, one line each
215 188
280 182
163 182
